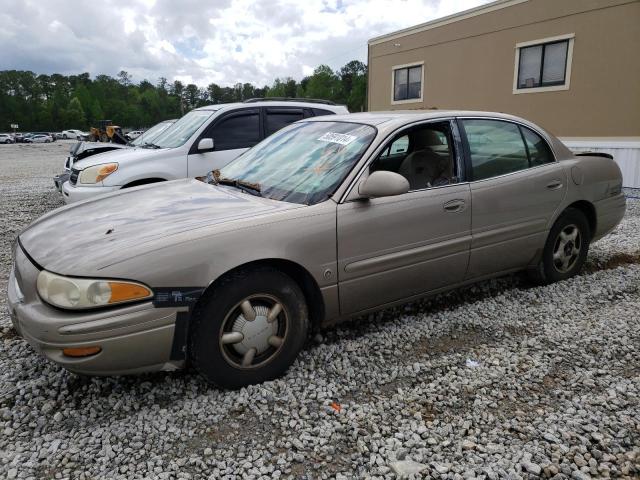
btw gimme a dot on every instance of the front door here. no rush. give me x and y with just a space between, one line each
232 134
516 187
393 248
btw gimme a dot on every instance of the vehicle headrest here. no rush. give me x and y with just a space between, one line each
425 138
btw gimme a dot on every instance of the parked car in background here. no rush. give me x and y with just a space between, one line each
29 136
72 134
204 139
134 134
324 220
6 138
58 135
18 137
82 150
39 138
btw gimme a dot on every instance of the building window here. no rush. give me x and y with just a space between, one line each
407 83
543 64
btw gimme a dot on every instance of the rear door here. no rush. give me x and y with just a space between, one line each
276 118
233 133
516 186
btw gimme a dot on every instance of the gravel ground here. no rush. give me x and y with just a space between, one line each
499 380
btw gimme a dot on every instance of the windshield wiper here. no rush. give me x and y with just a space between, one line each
149 145
247 187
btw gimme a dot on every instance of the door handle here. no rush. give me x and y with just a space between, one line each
454 205
554 185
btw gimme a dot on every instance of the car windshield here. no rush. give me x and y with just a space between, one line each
151 134
303 163
181 131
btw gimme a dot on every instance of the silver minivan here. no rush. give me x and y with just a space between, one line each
203 140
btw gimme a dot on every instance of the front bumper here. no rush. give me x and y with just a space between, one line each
135 338
59 180
75 193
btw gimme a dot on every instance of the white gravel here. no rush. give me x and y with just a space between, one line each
551 388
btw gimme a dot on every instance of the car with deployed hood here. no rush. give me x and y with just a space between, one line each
327 219
204 139
82 150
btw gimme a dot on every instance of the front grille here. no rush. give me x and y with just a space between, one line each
73 178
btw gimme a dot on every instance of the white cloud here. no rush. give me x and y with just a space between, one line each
203 41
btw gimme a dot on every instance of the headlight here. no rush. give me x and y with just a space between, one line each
79 293
97 173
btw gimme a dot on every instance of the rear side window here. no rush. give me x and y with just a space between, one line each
496 148
321 111
539 151
278 118
239 130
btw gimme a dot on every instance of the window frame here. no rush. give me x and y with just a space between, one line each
565 85
468 166
217 120
350 193
407 66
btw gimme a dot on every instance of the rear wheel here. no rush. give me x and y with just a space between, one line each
249 328
566 248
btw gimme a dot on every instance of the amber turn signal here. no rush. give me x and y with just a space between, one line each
121 292
81 351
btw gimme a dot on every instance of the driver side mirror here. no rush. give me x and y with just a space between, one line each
383 183
205 145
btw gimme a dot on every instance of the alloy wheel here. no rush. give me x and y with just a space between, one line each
566 249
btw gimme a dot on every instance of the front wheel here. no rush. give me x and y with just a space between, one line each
249 328
566 248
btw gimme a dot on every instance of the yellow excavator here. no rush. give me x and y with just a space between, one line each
107 132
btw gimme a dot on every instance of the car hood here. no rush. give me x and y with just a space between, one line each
82 147
84 237
122 156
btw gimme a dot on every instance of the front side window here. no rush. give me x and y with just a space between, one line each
303 163
407 83
543 65
181 131
496 148
239 130
424 155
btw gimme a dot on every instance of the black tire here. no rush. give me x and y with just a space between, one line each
551 270
65 136
220 364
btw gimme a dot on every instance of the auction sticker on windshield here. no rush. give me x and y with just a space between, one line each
341 138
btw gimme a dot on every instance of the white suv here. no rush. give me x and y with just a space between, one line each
203 140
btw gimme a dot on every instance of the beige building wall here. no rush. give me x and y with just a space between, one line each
469 64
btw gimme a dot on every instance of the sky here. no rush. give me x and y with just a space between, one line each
202 41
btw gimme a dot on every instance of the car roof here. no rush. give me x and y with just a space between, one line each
388 121
272 103
401 117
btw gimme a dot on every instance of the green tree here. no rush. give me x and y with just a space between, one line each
324 83
74 115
